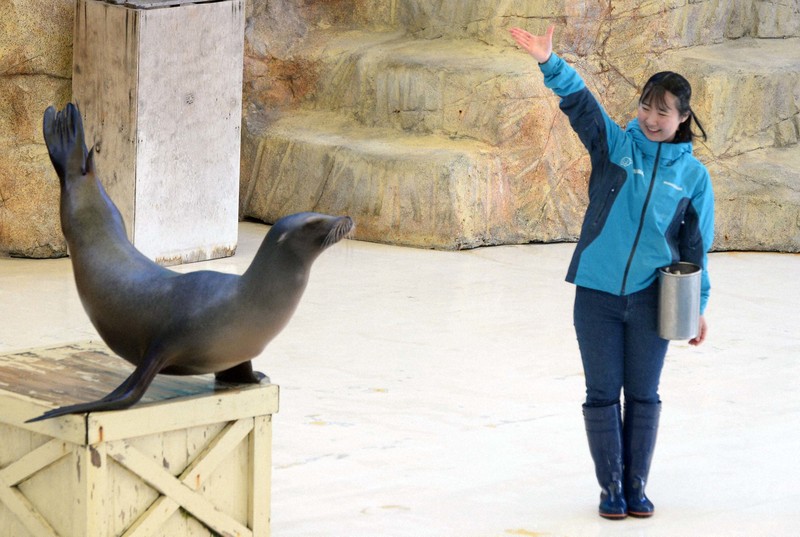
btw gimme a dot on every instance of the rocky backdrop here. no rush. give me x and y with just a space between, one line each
422 120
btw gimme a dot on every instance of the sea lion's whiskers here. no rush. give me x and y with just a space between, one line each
341 230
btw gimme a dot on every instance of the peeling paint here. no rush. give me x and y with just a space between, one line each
95 456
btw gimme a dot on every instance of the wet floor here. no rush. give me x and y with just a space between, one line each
430 393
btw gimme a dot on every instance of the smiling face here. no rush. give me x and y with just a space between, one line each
659 118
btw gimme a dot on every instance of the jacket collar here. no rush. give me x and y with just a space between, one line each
669 151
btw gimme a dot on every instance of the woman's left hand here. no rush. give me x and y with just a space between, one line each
701 333
538 46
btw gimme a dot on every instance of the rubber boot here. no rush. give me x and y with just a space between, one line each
639 440
604 431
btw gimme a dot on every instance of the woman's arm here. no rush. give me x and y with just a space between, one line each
704 202
598 133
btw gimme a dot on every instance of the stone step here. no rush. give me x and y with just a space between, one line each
455 143
424 191
435 192
457 88
584 26
585 23
392 118
746 92
744 89
757 197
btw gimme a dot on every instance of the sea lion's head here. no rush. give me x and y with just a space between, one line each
309 234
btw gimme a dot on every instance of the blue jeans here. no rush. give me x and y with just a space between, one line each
619 344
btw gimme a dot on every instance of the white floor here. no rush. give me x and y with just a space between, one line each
439 394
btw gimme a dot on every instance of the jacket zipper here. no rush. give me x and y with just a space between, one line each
641 222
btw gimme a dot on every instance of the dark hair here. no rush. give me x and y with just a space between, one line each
667 81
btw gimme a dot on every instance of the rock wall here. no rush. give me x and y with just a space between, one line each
35 71
423 121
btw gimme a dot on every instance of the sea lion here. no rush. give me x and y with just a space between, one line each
157 319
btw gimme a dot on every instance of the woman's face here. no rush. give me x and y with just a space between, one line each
659 121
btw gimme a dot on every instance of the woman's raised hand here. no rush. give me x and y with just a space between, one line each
538 46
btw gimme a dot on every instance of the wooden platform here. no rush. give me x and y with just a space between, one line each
192 458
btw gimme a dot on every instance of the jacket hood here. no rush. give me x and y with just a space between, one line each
669 151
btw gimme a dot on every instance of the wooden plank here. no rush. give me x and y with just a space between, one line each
29 464
260 476
219 450
93 501
59 375
153 518
18 408
169 486
173 450
105 72
184 413
193 476
25 512
85 371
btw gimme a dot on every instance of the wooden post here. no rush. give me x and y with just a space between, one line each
159 85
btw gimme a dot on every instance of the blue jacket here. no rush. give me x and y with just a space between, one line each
650 204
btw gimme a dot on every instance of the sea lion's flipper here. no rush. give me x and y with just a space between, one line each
63 135
125 395
241 374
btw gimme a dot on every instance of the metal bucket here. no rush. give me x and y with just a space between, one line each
679 301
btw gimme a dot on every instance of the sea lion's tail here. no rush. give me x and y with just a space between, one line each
63 134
